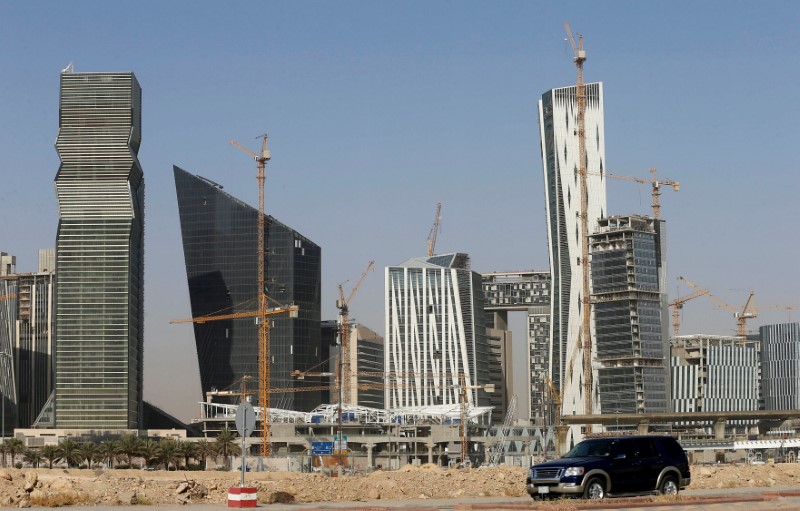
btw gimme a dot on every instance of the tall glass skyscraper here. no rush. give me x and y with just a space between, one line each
630 313
99 253
558 128
220 238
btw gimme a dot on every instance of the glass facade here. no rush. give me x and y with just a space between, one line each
780 366
220 241
630 316
99 253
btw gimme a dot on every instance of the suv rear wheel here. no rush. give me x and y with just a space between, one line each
594 489
669 486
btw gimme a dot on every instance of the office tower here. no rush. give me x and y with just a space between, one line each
99 253
780 366
630 314
558 127
8 320
528 292
435 331
714 373
220 237
26 334
366 361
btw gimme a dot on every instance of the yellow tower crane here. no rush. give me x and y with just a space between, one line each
434 230
657 184
586 309
748 310
677 307
343 304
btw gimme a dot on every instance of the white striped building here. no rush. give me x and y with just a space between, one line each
558 126
435 331
714 373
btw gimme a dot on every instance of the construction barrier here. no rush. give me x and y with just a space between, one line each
242 496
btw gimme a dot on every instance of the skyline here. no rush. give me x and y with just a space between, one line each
377 112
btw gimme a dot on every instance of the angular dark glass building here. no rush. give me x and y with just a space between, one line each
220 238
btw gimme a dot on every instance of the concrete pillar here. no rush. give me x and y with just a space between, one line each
719 429
430 452
643 428
370 447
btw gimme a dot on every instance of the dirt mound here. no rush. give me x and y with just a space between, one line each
44 487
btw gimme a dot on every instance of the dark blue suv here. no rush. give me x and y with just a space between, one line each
613 465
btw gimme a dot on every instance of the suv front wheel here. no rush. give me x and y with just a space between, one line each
594 489
669 486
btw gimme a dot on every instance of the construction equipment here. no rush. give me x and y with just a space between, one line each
344 334
462 399
501 446
585 335
657 184
787 308
561 429
434 230
677 307
263 327
748 311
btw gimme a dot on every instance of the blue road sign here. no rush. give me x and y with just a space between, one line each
321 448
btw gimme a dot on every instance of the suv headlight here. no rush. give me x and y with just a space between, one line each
573 471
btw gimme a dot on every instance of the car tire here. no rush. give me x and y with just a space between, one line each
668 486
594 489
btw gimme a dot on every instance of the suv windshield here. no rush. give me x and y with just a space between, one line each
592 449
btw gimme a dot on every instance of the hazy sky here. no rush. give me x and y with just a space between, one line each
376 111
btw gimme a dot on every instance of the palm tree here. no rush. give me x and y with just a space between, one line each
33 456
187 450
69 452
14 446
130 446
168 452
109 451
51 453
226 445
204 450
149 451
87 451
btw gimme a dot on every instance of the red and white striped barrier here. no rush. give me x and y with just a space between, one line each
242 496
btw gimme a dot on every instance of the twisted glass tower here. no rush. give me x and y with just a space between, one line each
99 253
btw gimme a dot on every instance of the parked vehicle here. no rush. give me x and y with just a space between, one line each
601 467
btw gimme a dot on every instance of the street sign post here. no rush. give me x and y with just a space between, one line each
321 448
245 424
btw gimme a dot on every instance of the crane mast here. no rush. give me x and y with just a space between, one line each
264 375
586 308
435 230
343 304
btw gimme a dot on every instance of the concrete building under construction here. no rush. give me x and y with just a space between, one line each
630 311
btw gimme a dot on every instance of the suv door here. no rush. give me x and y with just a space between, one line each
635 466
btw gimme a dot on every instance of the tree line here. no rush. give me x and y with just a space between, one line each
129 451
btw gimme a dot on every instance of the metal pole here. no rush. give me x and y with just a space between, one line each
244 454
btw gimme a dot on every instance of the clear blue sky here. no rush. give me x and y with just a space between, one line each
378 110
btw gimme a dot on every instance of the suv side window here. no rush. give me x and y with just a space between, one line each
637 448
671 448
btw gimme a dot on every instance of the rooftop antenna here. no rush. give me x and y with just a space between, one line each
69 69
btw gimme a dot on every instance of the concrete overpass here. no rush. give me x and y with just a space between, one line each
642 421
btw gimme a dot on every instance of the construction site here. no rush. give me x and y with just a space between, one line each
564 404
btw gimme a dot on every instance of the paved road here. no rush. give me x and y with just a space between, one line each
736 499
